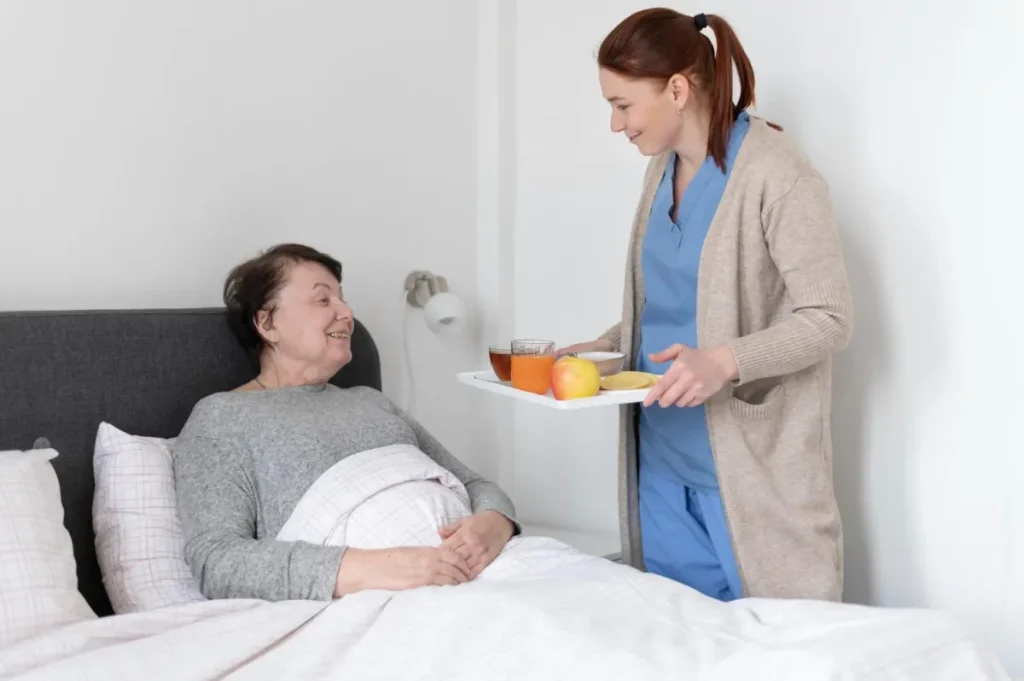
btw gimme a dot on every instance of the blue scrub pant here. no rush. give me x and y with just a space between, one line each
685 537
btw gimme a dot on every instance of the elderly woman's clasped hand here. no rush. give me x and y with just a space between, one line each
477 539
469 545
400 568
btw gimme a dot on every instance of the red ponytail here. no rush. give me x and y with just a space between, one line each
659 43
723 110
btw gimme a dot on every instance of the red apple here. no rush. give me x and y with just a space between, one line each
573 378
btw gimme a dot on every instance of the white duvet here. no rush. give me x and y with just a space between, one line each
541 611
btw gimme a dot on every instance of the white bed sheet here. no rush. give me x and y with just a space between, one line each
541 611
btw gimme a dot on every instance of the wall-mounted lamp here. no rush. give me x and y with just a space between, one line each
443 311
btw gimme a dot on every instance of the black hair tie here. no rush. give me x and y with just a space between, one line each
700 21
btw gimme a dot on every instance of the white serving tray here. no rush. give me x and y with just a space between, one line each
487 380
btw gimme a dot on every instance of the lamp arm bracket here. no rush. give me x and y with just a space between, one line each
421 285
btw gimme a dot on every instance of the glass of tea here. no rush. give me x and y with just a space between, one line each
501 361
532 361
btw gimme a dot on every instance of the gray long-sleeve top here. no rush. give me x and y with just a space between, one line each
243 461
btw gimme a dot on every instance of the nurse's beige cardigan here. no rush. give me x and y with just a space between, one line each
772 286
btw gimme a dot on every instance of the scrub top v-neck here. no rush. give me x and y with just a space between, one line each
674 441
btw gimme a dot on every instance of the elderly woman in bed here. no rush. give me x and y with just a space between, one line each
246 457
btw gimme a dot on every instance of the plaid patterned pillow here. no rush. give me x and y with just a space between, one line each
139 543
38 579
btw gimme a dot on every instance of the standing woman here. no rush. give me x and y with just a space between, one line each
736 293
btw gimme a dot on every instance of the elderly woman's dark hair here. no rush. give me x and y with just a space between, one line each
253 285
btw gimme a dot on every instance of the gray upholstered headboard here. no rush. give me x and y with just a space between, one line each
62 373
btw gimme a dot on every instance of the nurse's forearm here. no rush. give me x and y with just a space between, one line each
801 339
614 336
724 358
802 237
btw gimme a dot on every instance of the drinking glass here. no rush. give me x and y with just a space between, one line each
532 361
501 361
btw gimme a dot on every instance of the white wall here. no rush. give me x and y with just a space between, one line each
911 111
148 147
574 192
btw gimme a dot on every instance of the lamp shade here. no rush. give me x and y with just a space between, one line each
444 313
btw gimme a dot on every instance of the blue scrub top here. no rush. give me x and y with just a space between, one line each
674 441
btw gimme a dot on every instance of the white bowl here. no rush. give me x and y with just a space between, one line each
608 363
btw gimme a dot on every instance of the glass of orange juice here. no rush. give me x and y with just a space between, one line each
532 361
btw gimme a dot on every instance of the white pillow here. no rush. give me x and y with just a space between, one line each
406 514
139 543
388 496
38 580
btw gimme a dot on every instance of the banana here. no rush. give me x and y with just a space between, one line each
629 380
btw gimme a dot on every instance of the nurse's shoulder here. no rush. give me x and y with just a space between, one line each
775 163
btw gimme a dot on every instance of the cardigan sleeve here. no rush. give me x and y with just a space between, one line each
803 241
613 334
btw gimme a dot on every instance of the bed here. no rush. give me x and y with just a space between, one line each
542 610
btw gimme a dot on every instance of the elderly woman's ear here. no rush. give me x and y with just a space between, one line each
264 323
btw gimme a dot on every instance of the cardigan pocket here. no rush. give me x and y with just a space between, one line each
758 400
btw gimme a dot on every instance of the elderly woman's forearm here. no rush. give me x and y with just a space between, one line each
265 569
487 496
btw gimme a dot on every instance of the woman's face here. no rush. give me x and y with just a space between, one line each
645 111
311 325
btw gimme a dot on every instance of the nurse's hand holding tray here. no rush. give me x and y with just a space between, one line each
695 375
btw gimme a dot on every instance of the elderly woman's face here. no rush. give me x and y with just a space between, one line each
311 324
